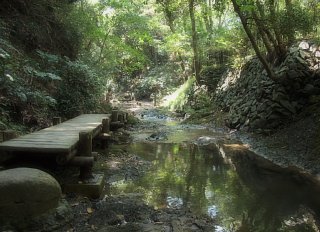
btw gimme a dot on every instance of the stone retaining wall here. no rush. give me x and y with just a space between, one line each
253 100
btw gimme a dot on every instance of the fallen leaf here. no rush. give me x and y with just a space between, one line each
89 210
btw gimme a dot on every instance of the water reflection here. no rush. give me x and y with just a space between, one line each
251 194
212 211
174 202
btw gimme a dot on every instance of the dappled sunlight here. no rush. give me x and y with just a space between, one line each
242 65
174 202
228 80
179 98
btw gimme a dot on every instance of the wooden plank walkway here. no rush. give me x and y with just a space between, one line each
62 138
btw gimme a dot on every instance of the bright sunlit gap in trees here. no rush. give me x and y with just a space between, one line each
179 97
93 1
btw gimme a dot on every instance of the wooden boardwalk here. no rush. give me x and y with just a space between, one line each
60 139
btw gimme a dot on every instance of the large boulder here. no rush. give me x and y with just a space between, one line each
26 193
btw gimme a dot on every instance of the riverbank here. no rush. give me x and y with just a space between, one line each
295 144
161 175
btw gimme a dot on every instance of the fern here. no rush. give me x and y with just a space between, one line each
42 76
50 58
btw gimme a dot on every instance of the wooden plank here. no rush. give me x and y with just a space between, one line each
46 149
29 144
63 137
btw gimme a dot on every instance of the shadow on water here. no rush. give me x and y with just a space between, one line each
239 190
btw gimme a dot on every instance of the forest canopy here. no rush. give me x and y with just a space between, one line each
141 46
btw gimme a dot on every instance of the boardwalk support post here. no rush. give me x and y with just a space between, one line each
8 134
85 149
105 133
81 161
56 120
105 125
121 117
118 119
114 116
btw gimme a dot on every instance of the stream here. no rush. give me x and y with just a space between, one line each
241 192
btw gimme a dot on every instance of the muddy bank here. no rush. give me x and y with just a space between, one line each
293 145
130 213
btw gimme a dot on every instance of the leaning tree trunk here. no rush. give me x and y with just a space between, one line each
281 45
262 59
261 30
266 29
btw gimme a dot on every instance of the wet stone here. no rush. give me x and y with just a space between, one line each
304 45
157 136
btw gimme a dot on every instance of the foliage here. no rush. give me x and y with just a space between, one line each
299 20
51 47
162 79
272 27
132 120
117 40
37 25
87 87
179 98
86 93
32 85
24 94
211 75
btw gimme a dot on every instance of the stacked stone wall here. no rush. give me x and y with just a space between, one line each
253 100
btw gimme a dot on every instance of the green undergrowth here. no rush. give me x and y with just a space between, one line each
208 115
180 97
132 120
19 128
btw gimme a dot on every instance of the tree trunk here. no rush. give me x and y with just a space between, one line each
170 21
253 41
261 30
273 18
194 44
207 17
103 46
289 9
210 14
266 28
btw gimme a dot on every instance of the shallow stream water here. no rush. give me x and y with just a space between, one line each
243 191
